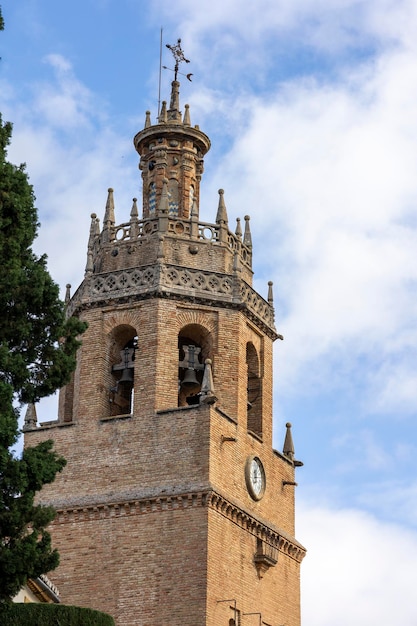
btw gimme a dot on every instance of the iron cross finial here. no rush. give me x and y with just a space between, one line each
178 56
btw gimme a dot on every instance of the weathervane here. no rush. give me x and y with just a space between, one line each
179 58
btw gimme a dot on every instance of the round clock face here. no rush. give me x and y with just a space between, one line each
255 477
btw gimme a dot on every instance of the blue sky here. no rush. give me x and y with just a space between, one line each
310 107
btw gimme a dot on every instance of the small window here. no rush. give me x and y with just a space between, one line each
191 199
173 197
152 200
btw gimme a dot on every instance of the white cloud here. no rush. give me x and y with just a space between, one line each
63 66
362 450
330 183
358 570
66 103
73 154
393 499
244 31
393 384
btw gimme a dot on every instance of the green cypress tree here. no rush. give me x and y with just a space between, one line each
37 356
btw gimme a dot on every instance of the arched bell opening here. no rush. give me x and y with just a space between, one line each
123 346
194 347
254 391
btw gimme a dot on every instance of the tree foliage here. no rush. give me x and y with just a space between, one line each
51 615
37 355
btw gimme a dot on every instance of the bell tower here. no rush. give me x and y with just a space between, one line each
173 508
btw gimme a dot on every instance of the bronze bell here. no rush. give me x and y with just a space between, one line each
190 379
127 376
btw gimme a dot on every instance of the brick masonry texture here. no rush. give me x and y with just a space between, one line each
175 558
155 521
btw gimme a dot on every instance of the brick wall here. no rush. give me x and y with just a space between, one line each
155 521
136 532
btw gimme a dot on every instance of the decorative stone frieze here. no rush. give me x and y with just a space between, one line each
157 279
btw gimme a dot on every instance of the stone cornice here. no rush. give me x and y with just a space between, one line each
274 536
172 129
163 280
207 498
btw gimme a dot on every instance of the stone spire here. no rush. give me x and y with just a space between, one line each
270 293
134 211
174 113
288 449
238 231
93 232
221 217
109 219
134 220
207 386
97 230
247 237
31 419
187 120
109 213
163 117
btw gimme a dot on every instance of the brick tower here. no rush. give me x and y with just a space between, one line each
173 507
